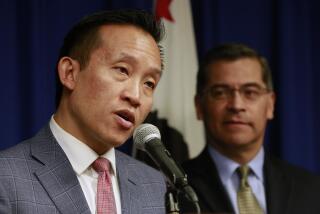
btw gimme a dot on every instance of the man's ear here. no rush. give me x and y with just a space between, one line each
271 104
68 70
198 105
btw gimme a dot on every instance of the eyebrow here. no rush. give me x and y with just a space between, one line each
126 57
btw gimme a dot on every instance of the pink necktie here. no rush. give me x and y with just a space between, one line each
105 198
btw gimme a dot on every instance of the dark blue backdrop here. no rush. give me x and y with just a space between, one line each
285 31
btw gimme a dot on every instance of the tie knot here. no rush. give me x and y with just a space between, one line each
101 165
244 171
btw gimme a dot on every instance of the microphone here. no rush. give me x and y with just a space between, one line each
147 137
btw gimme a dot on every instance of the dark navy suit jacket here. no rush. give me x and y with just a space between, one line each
289 189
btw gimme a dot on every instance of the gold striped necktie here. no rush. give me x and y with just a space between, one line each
247 202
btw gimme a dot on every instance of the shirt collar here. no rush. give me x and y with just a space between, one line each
80 155
226 167
256 164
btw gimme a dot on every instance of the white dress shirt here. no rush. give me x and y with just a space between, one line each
230 179
81 157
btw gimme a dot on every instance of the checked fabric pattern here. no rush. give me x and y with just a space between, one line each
105 198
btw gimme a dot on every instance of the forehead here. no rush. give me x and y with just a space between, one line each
115 37
235 72
116 42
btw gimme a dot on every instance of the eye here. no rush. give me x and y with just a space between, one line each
122 70
251 92
218 92
150 84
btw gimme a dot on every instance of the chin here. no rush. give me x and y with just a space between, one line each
112 141
115 141
119 140
237 140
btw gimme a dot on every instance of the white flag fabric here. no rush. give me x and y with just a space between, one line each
174 97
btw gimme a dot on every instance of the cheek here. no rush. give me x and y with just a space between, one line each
145 108
212 115
269 106
96 86
102 89
262 114
214 112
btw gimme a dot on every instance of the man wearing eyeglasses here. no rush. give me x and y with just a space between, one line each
234 174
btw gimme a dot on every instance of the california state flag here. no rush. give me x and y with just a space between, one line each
175 92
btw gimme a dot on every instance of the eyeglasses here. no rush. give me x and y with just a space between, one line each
248 92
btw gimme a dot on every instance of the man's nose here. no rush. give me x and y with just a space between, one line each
132 94
236 102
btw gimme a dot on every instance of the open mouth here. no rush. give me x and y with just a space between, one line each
126 115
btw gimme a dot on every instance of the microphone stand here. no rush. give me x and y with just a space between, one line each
172 206
172 194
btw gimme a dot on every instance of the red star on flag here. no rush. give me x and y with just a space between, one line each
162 10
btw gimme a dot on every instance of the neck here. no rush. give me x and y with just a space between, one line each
64 119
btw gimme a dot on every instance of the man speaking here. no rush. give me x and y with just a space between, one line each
107 71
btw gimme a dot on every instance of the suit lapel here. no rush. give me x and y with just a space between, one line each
278 187
214 197
57 176
129 189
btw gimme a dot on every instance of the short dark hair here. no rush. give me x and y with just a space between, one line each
83 38
231 52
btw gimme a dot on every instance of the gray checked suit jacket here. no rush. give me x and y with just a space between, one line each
37 178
